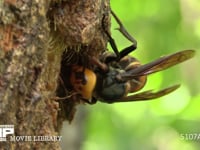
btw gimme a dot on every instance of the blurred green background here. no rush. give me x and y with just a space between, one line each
168 123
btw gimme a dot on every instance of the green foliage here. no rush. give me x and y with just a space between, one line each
160 27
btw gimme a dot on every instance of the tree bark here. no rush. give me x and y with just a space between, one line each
33 37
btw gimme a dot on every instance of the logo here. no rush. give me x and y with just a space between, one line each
5 130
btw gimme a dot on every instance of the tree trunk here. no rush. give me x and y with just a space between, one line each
33 37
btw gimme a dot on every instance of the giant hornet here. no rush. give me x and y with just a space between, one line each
117 74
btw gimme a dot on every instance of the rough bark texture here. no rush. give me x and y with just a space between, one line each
33 36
